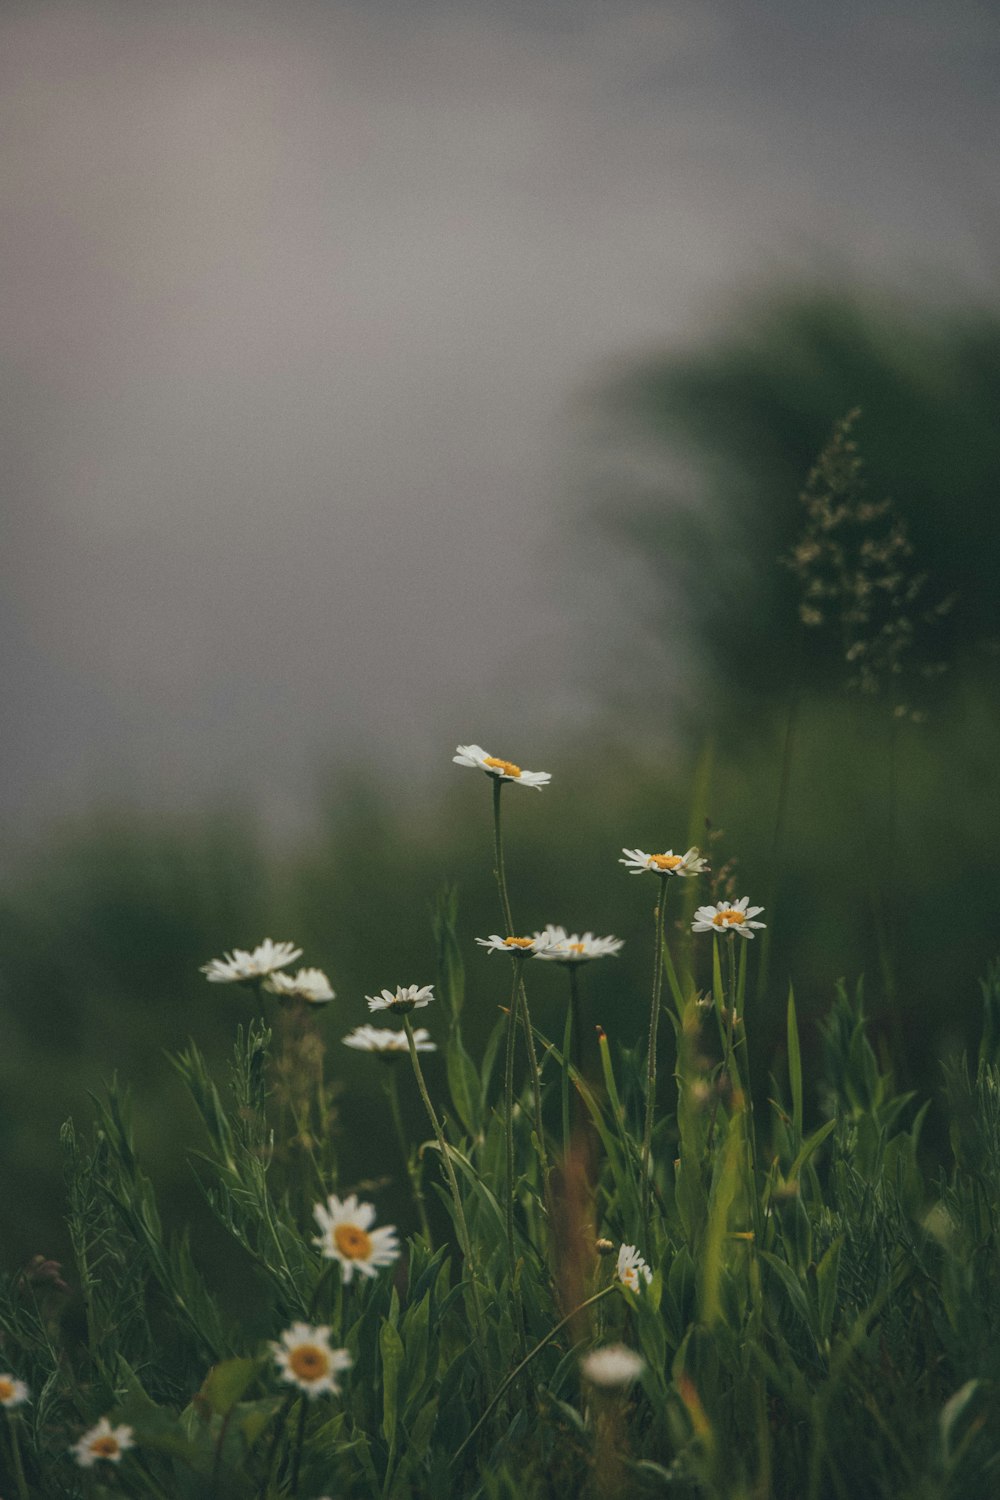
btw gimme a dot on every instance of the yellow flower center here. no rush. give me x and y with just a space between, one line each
577 948
6 1388
728 918
666 861
106 1446
506 766
309 1362
352 1242
518 942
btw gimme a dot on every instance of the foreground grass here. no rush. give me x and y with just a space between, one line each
796 1307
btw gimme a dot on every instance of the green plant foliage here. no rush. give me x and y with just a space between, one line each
809 1300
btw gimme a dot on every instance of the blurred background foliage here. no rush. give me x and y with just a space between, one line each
871 837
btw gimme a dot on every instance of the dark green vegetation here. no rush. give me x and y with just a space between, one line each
823 1318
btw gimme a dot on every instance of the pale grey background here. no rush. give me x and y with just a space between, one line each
301 305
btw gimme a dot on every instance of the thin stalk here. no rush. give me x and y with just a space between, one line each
508 1110
15 1453
654 1018
536 1081
498 868
501 878
509 1381
272 1451
575 1051
460 1223
574 1005
392 1090
729 943
300 1438
324 1277
564 1081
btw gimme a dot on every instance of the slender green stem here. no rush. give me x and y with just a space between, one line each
501 878
279 1428
654 1017
498 858
412 1171
729 943
15 1453
300 1438
509 1381
324 1277
574 1005
564 1081
536 1082
508 1109
460 1223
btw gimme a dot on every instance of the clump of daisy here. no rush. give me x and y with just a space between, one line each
310 985
728 917
631 1267
403 999
305 1359
613 1366
13 1392
243 967
638 862
556 945
347 1235
500 770
103 1442
387 1044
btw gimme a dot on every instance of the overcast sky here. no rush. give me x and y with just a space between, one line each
298 299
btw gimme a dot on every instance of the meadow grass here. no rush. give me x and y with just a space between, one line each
646 1270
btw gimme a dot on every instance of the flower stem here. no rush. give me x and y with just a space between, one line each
741 1084
460 1223
654 1017
300 1437
508 1109
498 868
15 1453
412 1170
501 878
508 1382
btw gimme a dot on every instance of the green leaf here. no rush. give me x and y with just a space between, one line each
827 1277
391 1348
226 1383
809 1147
463 1082
450 968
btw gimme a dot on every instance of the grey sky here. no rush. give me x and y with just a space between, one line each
297 301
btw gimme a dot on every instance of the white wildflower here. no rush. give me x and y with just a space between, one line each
502 770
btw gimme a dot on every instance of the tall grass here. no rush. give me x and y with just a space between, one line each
821 1313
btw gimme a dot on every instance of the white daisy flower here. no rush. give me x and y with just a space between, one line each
305 1359
388 1043
638 862
728 916
405 998
561 947
614 1365
307 984
631 1267
240 966
102 1441
347 1236
13 1392
512 945
502 770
